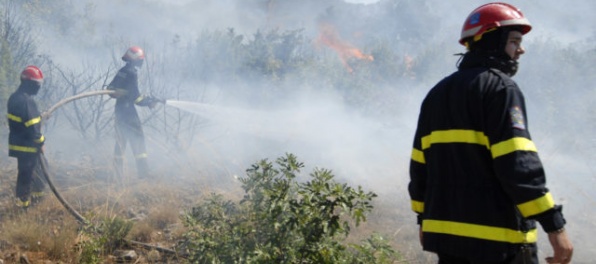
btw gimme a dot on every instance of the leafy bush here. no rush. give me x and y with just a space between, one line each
104 237
281 220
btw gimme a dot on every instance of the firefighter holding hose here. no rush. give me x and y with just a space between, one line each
127 124
25 140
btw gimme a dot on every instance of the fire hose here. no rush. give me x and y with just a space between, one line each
46 172
48 113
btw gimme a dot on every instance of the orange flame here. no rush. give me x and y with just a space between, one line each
409 63
329 36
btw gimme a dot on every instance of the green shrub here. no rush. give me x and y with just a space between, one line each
281 220
105 237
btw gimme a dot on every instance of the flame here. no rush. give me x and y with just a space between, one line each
329 37
409 62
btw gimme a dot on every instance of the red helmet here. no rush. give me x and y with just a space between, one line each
32 73
491 16
134 53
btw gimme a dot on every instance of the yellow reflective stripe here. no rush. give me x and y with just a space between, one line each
40 140
22 203
140 98
477 137
14 118
537 206
37 194
33 121
455 136
418 156
417 206
479 231
22 148
511 145
141 156
28 123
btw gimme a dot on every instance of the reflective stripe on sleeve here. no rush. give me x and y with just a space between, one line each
417 206
536 206
22 148
479 231
14 118
418 156
40 140
33 121
511 145
140 98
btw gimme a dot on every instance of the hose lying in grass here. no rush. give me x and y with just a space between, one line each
46 173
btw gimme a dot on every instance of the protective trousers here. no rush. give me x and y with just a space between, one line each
133 133
527 254
30 181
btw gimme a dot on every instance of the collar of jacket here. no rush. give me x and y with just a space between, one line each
502 62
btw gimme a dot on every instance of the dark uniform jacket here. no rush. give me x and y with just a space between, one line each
126 83
477 182
24 121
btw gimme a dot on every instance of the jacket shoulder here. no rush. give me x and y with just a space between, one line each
502 77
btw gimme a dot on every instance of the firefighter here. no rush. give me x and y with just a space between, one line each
476 181
128 125
25 140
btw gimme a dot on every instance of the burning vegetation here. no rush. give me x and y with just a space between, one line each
329 37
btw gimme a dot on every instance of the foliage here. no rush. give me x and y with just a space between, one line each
104 237
17 48
281 220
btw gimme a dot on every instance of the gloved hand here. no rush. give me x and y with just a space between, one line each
45 115
117 92
153 102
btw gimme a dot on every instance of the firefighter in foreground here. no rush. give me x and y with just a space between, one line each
476 181
25 140
128 125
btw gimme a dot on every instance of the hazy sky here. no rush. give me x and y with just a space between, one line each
362 1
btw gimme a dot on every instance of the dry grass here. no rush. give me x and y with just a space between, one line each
162 216
142 232
48 232
42 229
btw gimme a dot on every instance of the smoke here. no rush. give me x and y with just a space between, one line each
362 1
317 124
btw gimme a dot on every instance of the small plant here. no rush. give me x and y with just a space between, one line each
374 250
104 237
90 251
281 220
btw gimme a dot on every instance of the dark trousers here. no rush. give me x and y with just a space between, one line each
528 254
133 134
30 177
